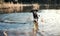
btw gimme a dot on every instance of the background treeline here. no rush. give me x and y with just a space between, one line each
35 1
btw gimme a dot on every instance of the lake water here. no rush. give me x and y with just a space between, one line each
49 23
22 22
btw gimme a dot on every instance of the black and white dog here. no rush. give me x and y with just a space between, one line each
35 16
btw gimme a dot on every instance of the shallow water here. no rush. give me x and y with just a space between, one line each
22 23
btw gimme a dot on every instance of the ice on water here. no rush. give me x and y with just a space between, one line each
51 22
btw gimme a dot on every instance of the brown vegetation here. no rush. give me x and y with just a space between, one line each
10 7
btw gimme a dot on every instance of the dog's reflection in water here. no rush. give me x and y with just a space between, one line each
35 29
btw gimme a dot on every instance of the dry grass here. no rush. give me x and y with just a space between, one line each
10 7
